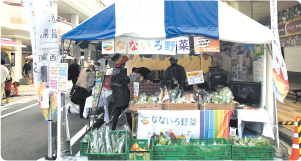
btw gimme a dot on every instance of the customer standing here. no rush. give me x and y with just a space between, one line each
26 69
4 73
121 92
74 70
83 90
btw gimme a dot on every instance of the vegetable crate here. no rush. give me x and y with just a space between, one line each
109 156
83 148
176 151
139 155
211 149
252 152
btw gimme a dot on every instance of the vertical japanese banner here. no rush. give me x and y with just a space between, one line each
280 79
145 46
133 47
183 45
108 46
205 44
121 45
43 28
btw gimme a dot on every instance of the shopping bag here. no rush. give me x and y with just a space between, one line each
75 97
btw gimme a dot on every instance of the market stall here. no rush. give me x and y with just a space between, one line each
171 123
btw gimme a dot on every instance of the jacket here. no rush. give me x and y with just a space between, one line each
121 92
178 73
74 70
83 79
4 73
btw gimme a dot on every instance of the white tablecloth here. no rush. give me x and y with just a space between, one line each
104 101
252 119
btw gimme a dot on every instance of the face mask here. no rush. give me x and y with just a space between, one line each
122 66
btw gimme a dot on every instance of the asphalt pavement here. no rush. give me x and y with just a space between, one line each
24 131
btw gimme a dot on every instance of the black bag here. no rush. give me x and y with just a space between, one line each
75 97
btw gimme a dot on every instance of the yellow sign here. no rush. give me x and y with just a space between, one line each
195 77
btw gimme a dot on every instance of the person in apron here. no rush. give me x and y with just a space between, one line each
175 73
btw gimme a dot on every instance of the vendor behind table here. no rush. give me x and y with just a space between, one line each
175 73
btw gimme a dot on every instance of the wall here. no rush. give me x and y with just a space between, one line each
292 57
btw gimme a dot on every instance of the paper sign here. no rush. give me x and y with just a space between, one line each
133 47
86 54
76 52
58 76
121 45
195 77
136 89
205 44
108 46
145 46
183 45
102 66
158 46
170 46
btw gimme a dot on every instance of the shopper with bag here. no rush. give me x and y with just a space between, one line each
121 92
73 73
82 91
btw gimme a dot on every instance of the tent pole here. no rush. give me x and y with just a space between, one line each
276 120
74 47
62 46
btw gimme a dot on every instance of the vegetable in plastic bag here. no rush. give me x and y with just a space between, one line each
142 98
121 143
134 101
101 143
94 148
108 145
215 97
114 142
156 138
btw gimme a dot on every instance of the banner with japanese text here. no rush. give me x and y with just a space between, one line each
202 124
108 46
183 45
280 78
258 63
44 38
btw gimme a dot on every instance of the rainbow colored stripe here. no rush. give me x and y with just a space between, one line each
215 123
118 59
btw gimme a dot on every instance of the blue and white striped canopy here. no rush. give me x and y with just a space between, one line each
168 19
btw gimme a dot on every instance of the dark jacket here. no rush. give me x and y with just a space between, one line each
178 73
26 68
121 92
74 70
144 72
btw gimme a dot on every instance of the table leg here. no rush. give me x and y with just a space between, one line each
297 97
133 123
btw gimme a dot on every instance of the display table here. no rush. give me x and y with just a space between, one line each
104 101
148 88
252 119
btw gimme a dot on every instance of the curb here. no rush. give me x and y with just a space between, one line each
286 135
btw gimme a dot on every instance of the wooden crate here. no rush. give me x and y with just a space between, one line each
219 106
145 106
181 106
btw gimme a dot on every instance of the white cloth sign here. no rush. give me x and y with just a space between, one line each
195 77
150 121
170 46
108 46
256 117
158 46
183 45
145 46
121 45
133 47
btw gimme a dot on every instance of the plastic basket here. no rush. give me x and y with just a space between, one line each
172 152
207 151
140 155
83 148
109 156
252 152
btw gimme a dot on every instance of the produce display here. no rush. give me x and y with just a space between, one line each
167 137
224 96
248 141
143 98
103 141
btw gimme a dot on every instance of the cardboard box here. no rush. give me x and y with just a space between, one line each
24 81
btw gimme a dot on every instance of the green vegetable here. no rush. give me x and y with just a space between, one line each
216 97
156 138
162 139
135 100
142 98
253 141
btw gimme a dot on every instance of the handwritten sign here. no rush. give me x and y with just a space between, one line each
195 77
205 44
58 76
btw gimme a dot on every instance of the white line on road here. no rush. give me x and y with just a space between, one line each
78 135
19 110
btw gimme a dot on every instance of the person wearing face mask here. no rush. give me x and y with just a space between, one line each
121 92
175 73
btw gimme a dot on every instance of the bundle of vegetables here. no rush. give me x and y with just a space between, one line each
152 99
142 98
156 138
94 147
249 141
226 94
101 143
134 101
120 142
108 142
216 98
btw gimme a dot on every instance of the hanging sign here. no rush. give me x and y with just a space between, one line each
136 89
195 77
205 44
183 45
108 46
76 51
145 46
86 54
170 46
102 66
59 77
158 46
133 47
121 45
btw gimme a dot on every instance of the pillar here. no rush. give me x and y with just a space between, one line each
75 20
269 90
17 73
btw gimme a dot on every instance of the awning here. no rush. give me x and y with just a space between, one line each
9 42
29 57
